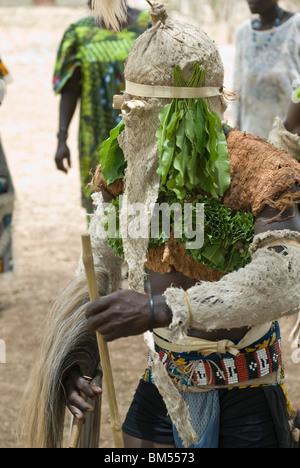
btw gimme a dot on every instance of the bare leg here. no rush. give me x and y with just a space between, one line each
134 442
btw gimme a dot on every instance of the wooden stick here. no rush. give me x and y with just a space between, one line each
88 261
77 423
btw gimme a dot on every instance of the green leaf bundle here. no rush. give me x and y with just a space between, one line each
192 146
193 155
112 159
227 235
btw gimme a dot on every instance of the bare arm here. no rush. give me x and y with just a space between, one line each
68 102
290 219
126 313
265 290
292 120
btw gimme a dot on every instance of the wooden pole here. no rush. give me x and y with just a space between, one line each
88 261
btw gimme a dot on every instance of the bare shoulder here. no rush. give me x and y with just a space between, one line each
270 219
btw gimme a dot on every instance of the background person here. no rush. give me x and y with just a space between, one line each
267 63
89 68
6 193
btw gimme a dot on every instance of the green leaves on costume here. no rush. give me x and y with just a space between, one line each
193 156
227 235
112 157
192 146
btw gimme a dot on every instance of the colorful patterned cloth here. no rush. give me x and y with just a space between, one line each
6 193
4 73
218 371
100 54
6 211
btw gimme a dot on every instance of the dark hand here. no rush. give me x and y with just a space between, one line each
74 385
63 153
126 313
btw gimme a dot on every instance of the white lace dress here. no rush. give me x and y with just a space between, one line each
267 70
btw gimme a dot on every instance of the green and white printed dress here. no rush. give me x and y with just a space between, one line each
100 54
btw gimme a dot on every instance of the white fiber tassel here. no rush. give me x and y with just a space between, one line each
295 333
113 12
175 404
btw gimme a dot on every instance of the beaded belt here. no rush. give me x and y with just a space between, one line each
193 369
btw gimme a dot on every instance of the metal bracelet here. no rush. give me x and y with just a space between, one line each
151 321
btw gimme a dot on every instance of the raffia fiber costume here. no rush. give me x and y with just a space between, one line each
253 296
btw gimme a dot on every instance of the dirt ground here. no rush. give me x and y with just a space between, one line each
48 218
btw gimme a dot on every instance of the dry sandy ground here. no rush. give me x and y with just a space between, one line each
48 219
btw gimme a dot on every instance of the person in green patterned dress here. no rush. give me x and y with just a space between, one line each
89 67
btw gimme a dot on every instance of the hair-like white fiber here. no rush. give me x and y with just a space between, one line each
113 12
65 342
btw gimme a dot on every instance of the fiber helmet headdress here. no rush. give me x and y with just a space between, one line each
169 43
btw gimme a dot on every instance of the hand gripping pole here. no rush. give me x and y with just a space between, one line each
88 261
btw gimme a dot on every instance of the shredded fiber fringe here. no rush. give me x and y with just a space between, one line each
65 342
113 12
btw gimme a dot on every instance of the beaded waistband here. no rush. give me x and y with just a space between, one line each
193 369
